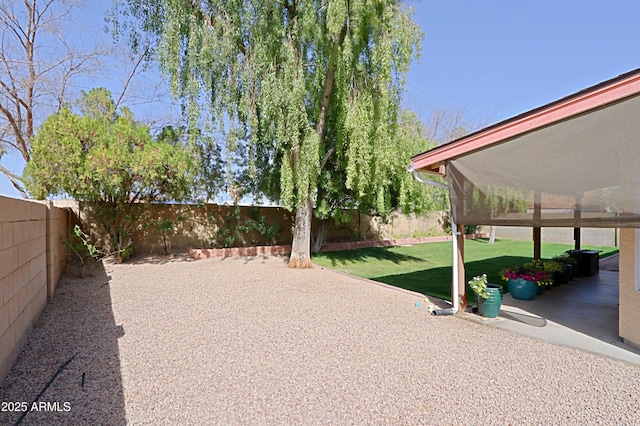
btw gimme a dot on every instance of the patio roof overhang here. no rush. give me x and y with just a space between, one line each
574 162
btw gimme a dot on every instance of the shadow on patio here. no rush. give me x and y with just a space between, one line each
582 314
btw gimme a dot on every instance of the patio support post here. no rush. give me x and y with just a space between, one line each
457 252
537 237
576 216
462 293
537 231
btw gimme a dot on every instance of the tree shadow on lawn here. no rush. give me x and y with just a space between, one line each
436 282
346 257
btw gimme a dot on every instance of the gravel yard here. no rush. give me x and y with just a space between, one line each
249 341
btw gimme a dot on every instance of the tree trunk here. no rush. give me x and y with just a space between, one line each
492 234
321 235
300 248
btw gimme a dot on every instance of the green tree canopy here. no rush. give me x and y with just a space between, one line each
404 193
108 161
305 86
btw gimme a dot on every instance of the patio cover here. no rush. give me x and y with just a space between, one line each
571 163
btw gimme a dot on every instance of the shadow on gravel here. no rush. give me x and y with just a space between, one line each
69 370
159 259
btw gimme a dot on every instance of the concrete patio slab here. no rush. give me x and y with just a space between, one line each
582 314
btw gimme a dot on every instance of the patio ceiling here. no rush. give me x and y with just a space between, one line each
573 162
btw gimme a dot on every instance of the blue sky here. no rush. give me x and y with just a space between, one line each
495 59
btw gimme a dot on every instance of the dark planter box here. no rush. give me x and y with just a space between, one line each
589 264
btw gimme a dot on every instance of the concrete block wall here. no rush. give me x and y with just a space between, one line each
58 226
588 236
195 226
413 226
31 258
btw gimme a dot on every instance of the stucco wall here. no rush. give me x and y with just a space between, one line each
629 297
31 261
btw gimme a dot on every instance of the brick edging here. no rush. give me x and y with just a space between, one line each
286 249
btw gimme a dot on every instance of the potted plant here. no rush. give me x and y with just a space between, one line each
555 271
488 296
567 268
573 259
540 270
525 280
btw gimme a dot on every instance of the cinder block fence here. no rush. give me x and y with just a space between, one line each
31 261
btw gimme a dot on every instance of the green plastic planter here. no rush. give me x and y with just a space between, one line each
490 307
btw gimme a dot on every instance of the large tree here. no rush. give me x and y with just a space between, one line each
105 159
310 85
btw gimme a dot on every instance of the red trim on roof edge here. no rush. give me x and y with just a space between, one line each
618 88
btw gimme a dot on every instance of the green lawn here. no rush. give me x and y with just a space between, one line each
426 268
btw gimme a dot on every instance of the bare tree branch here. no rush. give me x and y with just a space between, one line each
15 180
132 73
38 63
